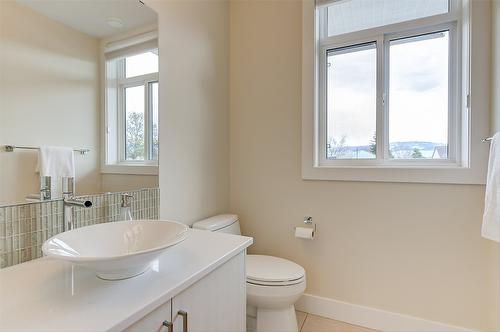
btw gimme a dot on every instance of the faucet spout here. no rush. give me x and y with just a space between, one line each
71 201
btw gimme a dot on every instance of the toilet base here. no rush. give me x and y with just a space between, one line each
272 320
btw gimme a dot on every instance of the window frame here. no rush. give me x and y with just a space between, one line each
472 101
382 36
123 83
127 44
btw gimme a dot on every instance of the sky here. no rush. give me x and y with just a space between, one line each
418 92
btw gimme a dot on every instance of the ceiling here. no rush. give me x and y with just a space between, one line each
90 16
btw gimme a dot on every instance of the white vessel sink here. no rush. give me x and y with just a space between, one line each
116 250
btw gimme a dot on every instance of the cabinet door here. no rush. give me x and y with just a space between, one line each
216 303
153 322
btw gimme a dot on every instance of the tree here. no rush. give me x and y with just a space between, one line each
398 153
336 149
373 144
416 154
155 142
135 136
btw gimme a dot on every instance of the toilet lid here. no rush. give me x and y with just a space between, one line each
261 268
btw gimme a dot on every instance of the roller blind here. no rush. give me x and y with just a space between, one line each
321 3
131 46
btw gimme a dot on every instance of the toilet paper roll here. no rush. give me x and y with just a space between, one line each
304 232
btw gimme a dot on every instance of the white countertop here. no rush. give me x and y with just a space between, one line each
51 295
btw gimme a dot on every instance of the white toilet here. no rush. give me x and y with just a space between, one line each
273 284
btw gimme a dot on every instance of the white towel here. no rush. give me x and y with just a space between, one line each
56 162
491 217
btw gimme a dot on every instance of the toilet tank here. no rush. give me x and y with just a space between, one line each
224 223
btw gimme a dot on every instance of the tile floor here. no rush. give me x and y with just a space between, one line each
312 323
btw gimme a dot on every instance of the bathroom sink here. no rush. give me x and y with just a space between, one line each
116 250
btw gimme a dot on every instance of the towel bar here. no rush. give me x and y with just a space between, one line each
11 148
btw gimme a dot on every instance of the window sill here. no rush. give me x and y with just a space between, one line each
130 169
409 174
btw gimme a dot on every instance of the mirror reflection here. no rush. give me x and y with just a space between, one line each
78 98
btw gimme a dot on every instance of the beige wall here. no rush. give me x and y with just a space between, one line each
495 38
48 96
124 182
194 167
493 249
409 248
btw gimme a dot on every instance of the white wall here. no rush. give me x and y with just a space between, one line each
409 248
194 168
48 96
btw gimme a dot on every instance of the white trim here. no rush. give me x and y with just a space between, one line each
144 32
130 169
371 317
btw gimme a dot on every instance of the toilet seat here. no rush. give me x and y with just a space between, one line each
273 271
275 283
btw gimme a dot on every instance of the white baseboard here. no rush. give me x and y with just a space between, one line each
370 317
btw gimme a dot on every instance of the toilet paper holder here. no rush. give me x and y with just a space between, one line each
309 221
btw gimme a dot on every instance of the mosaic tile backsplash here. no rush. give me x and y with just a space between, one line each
25 227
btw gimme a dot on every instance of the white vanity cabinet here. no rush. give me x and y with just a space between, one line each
203 276
154 321
215 303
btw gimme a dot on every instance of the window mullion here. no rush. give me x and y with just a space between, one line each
147 154
454 105
380 125
387 97
122 139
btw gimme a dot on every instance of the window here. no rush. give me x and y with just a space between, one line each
418 103
134 123
386 91
138 89
132 109
388 84
351 99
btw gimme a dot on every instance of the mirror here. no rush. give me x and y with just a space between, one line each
81 76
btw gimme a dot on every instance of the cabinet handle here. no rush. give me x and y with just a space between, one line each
184 320
170 326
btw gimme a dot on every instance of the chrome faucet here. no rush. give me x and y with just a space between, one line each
45 188
73 201
125 213
69 201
